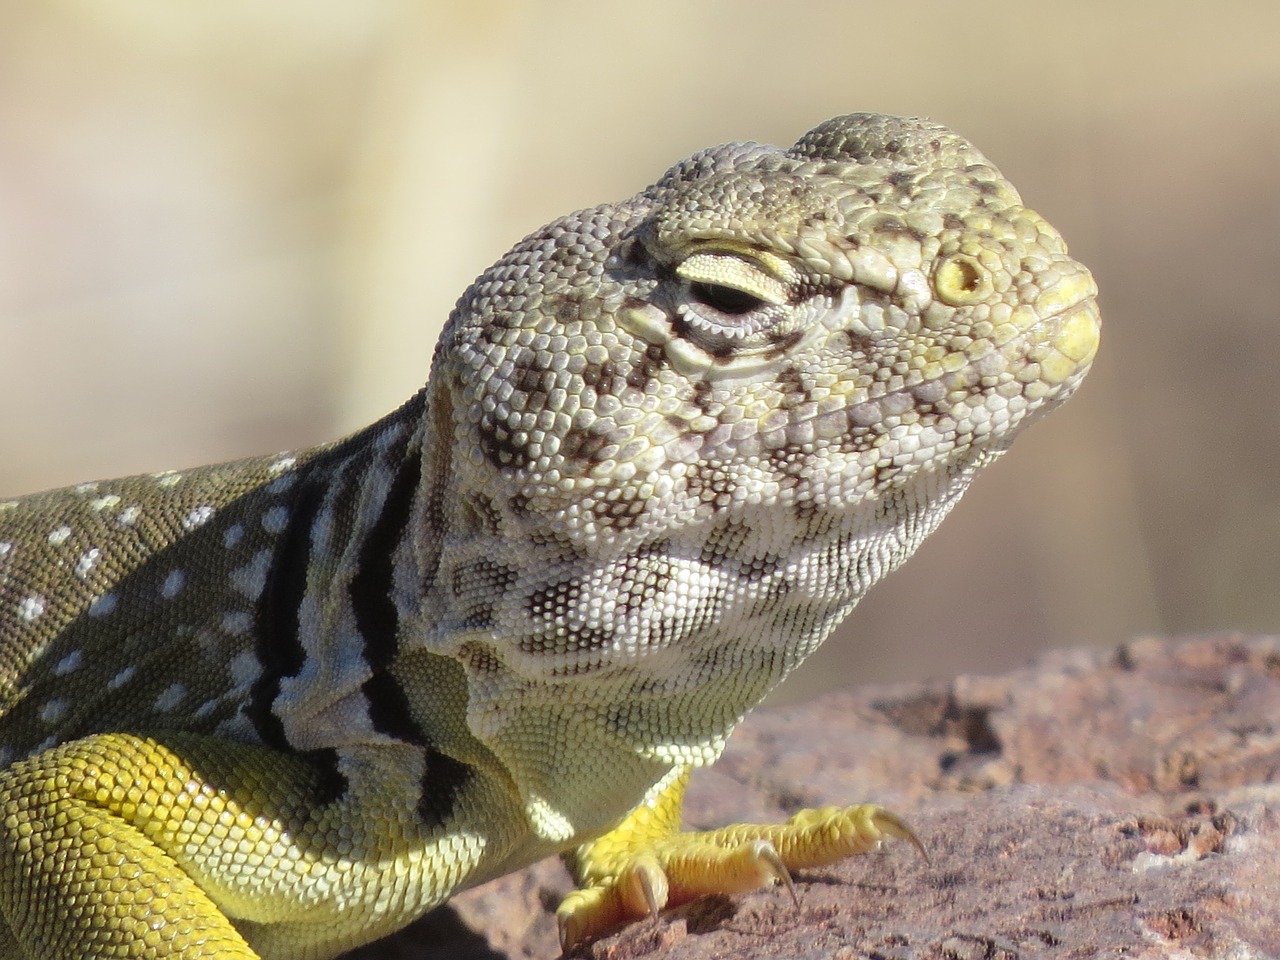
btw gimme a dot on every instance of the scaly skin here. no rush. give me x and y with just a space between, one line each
280 707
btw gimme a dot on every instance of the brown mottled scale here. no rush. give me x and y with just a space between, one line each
665 447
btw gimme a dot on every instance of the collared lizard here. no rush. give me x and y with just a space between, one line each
282 706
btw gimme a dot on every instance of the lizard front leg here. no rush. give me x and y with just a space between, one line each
647 863
186 847
91 841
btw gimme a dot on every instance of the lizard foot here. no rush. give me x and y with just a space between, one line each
625 884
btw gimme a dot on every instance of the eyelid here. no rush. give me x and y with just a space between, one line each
730 270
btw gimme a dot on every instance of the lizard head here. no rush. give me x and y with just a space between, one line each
726 406
815 325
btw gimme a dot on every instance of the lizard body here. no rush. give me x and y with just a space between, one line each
280 707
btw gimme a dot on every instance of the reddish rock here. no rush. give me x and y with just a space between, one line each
1091 805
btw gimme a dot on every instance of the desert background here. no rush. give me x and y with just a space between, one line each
234 228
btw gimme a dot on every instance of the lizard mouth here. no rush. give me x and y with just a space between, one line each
1048 356
1055 349
1041 363
1050 359
1071 344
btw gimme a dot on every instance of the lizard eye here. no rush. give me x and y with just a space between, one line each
727 300
730 297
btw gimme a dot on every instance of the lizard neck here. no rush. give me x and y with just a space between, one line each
342 580
646 651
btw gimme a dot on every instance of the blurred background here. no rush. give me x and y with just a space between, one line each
233 228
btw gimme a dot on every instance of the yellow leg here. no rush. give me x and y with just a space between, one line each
646 863
78 880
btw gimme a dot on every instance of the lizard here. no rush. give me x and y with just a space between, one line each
280 707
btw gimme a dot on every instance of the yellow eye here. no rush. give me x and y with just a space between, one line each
960 280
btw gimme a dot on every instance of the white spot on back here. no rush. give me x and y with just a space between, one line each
252 577
168 478
205 709
121 678
129 516
68 664
282 484
59 536
233 535
88 560
281 465
170 697
53 711
275 519
104 503
5 549
104 605
32 607
243 669
173 584
237 622
84 488
197 517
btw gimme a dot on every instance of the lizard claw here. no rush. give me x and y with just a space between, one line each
892 825
643 886
767 855
684 866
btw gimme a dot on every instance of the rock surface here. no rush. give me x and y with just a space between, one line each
1091 805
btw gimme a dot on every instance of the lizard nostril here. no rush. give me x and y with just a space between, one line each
961 280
